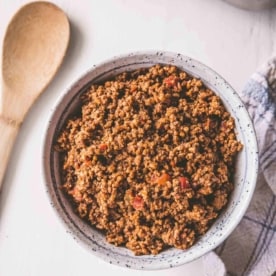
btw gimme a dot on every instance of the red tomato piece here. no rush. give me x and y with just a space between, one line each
138 203
103 147
184 182
171 81
163 179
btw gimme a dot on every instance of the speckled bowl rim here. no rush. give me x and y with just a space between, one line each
245 178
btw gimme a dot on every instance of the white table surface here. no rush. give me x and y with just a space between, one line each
234 42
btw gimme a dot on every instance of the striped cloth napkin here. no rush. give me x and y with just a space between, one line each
251 248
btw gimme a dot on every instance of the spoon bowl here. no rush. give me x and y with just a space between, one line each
34 46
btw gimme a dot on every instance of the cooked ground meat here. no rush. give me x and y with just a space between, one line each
150 159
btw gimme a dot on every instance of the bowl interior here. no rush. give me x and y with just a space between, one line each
245 176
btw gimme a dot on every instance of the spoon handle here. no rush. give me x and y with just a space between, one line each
8 132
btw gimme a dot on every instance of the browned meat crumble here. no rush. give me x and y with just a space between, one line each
150 159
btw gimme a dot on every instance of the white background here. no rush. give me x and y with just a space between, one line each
233 42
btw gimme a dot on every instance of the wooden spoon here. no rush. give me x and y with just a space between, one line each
34 46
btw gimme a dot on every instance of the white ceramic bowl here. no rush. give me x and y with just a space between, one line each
245 177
